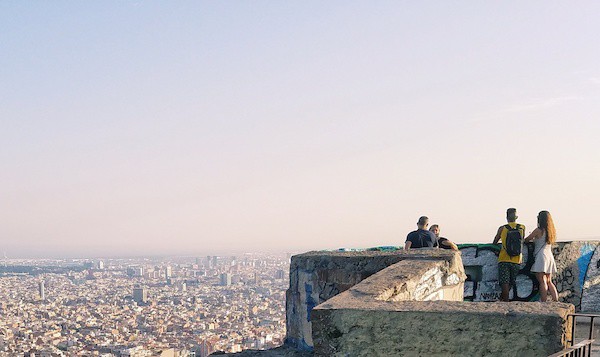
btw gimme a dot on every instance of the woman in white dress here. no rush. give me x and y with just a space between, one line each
544 265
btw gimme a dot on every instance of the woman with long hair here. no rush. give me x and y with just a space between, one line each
544 236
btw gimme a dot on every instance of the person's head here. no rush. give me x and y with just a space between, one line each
511 215
423 222
546 223
435 229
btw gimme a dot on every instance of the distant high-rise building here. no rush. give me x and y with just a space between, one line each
215 262
256 279
225 279
235 279
135 271
140 295
42 290
168 271
280 274
209 262
88 265
100 265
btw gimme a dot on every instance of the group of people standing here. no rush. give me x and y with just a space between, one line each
511 236
509 263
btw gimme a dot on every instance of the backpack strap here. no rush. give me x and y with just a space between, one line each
521 230
518 226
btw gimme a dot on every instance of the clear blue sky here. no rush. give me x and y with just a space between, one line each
205 127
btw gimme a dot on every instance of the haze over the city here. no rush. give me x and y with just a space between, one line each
132 128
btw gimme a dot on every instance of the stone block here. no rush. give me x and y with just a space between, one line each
320 276
440 328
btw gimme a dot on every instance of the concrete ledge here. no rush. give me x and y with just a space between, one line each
406 280
316 277
439 328
393 313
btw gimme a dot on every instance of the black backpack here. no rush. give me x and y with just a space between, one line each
514 240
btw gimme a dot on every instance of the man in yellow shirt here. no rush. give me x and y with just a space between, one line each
508 265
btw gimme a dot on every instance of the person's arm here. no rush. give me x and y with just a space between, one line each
533 235
497 237
407 245
450 244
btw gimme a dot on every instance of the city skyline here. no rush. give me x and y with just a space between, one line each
136 128
143 305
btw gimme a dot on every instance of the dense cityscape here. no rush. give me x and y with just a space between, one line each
142 307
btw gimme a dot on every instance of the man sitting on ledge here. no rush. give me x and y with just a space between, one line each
443 243
421 238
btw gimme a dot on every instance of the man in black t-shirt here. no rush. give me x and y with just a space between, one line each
421 238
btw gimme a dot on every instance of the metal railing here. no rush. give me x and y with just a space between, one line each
582 348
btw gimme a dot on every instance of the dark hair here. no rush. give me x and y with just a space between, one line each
423 220
511 214
546 223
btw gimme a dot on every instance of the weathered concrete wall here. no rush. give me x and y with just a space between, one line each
573 262
577 279
391 313
347 327
590 296
316 277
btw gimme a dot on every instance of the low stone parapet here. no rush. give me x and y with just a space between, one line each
316 277
414 308
347 326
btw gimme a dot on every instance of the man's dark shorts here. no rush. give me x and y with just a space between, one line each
507 273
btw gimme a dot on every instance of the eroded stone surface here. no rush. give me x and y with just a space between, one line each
316 277
385 315
439 328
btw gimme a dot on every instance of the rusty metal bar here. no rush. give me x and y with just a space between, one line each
583 348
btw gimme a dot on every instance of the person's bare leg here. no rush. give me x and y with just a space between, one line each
505 292
552 287
541 277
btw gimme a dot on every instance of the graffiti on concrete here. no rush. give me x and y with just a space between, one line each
484 286
327 290
577 279
590 300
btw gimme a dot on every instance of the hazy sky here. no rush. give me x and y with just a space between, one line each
131 128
